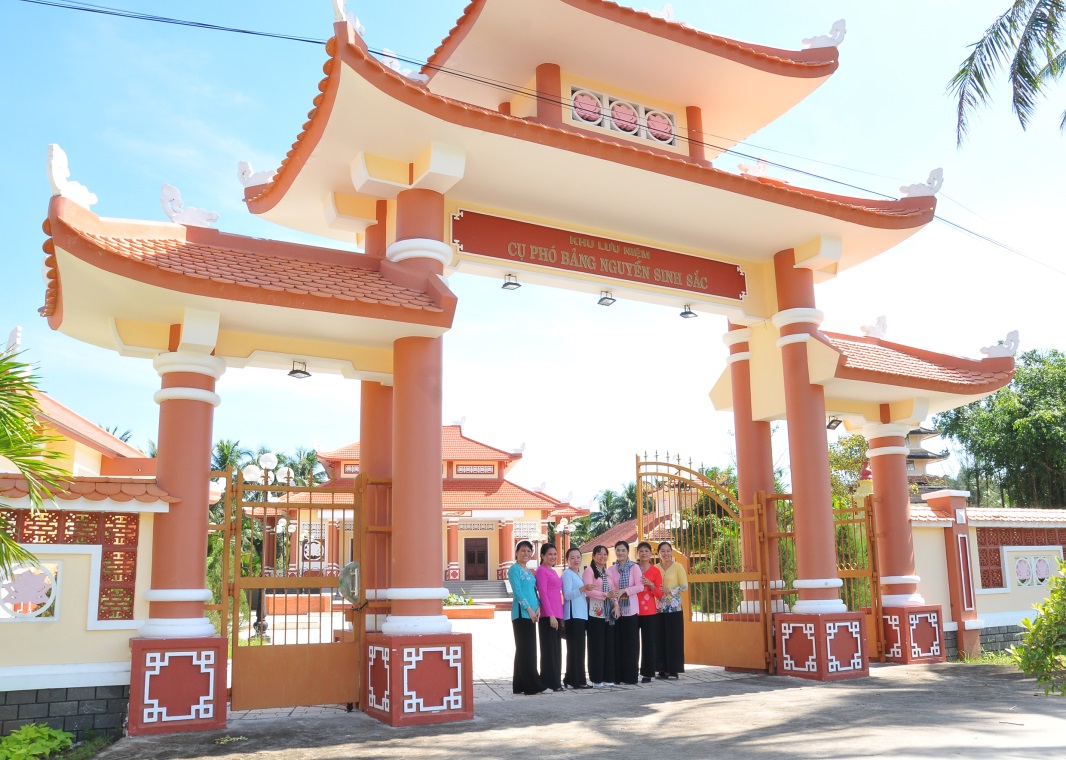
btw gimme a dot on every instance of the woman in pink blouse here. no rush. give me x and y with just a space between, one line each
550 591
601 620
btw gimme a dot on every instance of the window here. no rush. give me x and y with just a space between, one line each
595 109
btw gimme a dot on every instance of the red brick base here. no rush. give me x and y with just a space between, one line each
829 647
413 680
177 685
914 634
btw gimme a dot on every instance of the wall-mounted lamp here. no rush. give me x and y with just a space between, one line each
688 313
833 424
510 282
299 370
606 299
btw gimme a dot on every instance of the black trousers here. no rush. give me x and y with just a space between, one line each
601 651
551 654
627 647
673 639
526 680
575 653
649 643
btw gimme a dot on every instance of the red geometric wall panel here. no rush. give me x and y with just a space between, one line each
829 647
177 685
914 634
115 532
413 680
990 543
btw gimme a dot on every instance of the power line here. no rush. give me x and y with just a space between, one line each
526 92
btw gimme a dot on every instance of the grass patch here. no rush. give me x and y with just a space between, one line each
1002 657
89 747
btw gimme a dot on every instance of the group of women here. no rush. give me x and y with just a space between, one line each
626 618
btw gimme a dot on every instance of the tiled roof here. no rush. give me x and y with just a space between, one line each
234 266
304 498
454 446
922 512
906 213
67 422
570 512
623 531
876 360
493 494
1022 515
92 488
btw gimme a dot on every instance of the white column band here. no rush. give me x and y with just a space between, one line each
872 430
408 594
188 361
893 580
186 394
797 316
416 625
420 248
743 356
786 340
177 595
902 600
731 338
818 606
176 628
884 451
817 583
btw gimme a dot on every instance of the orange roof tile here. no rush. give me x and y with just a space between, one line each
454 445
208 262
924 513
74 425
493 494
906 213
570 512
94 489
876 360
982 515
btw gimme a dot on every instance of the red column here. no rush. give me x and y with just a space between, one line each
550 95
506 548
895 544
375 462
755 466
797 320
452 571
187 403
952 506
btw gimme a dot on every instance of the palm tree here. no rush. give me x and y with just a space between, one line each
124 436
609 512
22 445
307 471
1029 33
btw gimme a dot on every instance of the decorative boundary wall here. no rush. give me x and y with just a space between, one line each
993 639
990 543
100 709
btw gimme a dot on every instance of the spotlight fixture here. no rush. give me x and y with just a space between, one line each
688 313
606 299
833 424
299 370
510 282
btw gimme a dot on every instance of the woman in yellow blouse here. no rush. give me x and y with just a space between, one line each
671 614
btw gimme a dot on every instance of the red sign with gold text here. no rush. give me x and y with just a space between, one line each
512 240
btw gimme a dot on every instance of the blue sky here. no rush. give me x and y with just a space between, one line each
137 104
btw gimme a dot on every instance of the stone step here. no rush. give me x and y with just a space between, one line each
479 589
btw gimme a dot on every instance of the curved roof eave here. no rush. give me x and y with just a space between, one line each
810 63
904 214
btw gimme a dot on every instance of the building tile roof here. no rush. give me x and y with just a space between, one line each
623 531
905 213
69 423
305 498
876 360
570 512
922 512
454 446
1016 515
493 494
13 486
209 262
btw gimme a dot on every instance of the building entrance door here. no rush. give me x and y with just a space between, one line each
476 551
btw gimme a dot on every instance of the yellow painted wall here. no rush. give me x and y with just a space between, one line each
1016 598
930 564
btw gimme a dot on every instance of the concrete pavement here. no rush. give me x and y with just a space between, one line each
949 710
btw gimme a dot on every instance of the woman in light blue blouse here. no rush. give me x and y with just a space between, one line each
576 615
525 611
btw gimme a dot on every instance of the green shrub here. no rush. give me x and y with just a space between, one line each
34 740
458 600
1042 652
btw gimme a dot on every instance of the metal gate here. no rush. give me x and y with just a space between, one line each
293 640
856 559
718 540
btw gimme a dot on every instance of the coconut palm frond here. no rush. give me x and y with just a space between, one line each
972 81
1035 47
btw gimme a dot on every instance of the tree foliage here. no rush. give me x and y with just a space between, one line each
1027 39
1016 438
23 443
846 457
1042 652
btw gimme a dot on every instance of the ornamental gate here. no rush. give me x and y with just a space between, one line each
856 553
275 553
717 539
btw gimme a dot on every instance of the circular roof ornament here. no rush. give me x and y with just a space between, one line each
587 107
660 127
624 117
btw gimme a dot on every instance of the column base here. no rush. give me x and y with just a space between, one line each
914 634
452 573
415 680
177 685
822 647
